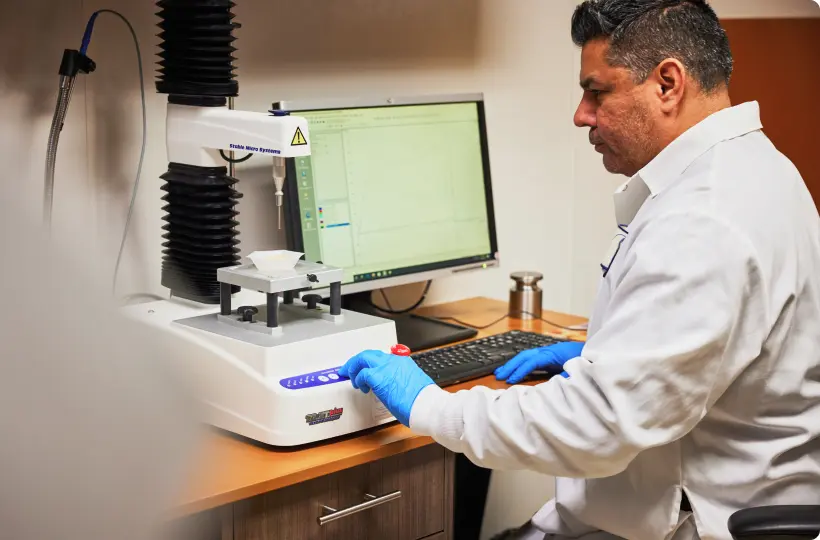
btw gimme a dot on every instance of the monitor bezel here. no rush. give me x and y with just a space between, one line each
293 229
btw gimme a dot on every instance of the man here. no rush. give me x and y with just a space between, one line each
698 390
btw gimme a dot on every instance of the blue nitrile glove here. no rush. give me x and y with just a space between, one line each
396 380
549 358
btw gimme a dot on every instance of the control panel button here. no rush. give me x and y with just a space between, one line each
312 380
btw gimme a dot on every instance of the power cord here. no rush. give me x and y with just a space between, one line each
556 325
232 160
390 311
85 43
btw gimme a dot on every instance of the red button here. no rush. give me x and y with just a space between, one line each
400 350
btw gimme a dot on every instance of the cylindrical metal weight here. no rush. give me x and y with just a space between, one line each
525 296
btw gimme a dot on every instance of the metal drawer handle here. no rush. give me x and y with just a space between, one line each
371 502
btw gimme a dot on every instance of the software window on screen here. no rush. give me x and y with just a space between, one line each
390 190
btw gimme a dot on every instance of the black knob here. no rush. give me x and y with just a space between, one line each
312 300
247 313
312 278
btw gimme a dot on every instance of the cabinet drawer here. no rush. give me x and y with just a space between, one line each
293 513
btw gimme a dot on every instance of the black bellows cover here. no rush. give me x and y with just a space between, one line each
196 52
200 230
196 69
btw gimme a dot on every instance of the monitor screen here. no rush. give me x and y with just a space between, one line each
394 190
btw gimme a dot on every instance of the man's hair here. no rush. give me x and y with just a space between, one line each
642 33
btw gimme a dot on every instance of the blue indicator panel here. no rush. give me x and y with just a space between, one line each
310 380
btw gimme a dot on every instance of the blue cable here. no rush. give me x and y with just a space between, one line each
88 29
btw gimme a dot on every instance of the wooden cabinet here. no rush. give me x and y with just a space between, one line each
423 511
424 506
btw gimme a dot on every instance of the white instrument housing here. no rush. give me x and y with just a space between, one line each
194 135
280 390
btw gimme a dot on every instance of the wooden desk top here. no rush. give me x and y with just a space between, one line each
230 469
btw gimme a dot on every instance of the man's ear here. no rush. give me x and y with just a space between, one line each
670 83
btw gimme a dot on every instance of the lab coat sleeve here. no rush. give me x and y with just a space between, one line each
688 314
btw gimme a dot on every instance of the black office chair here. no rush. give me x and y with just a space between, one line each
776 523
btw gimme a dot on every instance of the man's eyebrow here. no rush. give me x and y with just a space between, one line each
588 82
591 81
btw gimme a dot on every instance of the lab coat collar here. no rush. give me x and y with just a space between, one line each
681 153
628 200
696 141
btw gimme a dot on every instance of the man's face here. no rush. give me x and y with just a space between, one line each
617 112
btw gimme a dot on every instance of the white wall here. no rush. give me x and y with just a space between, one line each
552 196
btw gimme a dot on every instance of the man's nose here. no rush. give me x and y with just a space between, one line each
584 115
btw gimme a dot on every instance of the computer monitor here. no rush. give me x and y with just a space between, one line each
395 191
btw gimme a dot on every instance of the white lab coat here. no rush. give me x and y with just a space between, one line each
701 370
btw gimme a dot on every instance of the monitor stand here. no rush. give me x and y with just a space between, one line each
414 331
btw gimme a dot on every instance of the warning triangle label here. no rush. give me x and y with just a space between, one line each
298 138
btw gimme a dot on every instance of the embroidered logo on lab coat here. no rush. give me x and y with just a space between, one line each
614 248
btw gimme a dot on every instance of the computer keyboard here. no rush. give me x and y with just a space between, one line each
474 359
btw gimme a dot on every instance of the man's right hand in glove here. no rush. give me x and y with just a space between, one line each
550 358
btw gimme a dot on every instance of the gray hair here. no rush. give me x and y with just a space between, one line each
642 33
